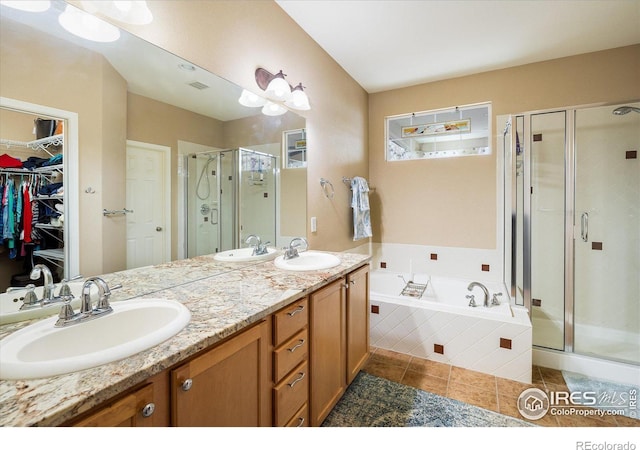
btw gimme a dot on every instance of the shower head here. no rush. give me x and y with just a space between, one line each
625 110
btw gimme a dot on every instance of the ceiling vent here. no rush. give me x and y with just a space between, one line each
198 85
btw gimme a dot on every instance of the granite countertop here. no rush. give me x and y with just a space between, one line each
222 297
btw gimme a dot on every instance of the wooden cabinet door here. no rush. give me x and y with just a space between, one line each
144 407
227 386
357 321
327 346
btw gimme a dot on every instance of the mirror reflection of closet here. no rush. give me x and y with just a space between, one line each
32 186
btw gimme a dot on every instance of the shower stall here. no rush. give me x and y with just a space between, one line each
229 195
572 234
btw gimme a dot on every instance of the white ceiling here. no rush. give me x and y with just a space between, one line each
387 44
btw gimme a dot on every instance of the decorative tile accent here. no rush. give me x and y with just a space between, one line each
375 309
631 154
596 246
505 343
438 348
383 265
434 256
485 267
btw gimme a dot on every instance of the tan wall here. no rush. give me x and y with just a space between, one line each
232 39
158 123
69 83
452 202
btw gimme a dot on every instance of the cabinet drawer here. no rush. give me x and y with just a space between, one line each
289 320
290 394
301 418
290 354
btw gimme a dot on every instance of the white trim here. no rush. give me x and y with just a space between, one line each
71 171
167 190
618 372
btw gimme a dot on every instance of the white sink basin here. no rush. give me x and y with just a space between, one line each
308 260
41 350
10 303
245 254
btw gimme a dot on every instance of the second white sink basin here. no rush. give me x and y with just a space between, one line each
42 350
245 254
308 260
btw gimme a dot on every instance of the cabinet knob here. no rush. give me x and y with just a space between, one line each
186 384
148 409
300 422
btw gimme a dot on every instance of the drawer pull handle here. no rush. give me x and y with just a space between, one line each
296 380
299 344
301 419
186 385
296 311
148 409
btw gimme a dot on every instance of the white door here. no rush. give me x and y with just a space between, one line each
148 194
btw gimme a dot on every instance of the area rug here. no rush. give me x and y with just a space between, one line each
371 401
608 395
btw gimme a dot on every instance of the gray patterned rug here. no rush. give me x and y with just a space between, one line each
375 402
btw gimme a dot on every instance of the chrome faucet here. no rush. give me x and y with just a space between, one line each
87 311
259 248
292 251
41 269
484 290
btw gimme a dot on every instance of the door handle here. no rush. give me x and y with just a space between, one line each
214 213
158 228
584 226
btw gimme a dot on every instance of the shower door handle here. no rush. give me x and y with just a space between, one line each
214 213
584 226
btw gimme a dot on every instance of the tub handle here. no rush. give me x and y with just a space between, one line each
584 226
472 300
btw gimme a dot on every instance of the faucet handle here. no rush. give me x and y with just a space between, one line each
494 299
66 312
472 300
30 298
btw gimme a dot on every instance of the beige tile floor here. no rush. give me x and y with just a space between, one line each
479 389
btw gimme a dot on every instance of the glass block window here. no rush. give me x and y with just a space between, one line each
445 133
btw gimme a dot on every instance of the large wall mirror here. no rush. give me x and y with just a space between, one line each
139 107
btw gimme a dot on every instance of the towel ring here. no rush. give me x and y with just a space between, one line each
324 183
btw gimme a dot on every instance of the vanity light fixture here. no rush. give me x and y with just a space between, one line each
28 5
279 93
273 109
251 100
131 12
87 26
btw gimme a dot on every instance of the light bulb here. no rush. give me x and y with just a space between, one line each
87 26
278 89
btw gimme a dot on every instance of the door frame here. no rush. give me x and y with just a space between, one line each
70 177
166 153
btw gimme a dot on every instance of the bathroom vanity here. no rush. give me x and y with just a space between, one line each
264 347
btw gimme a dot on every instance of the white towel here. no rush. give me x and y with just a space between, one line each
360 205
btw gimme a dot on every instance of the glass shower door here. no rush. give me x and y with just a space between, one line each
607 234
203 204
547 196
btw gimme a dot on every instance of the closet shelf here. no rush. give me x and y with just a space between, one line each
44 170
49 197
39 144
47 226
54 256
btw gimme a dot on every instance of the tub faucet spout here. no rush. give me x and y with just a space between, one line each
484 290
